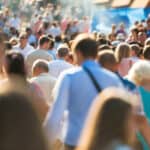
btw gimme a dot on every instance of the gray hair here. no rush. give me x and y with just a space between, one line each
139 72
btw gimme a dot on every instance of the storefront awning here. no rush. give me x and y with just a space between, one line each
121 3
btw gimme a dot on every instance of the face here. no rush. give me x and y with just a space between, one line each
142 37
23 40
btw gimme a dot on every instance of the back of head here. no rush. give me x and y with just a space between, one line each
14 64
107 59
102 41
62 51
43 39
146 52
40 65
52 43
86 45
20 126
135 48
139 72
103 47
108 120
122 51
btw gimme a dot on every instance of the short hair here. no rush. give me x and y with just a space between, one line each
135 48
28 29
8 45
139 71
101 41
58 38
103 47
122 51
106 58
52 42
86 45
62 51
146 52
42 64
44 39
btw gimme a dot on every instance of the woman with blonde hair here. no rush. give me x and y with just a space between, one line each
122 54
140 75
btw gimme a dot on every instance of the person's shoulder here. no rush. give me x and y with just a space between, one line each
32 54
29 46
109 74
72 71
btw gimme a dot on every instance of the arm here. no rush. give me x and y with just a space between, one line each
144 128
55 116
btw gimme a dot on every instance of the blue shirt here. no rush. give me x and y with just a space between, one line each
75 93
127 84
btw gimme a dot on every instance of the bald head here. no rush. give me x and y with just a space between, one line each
40 66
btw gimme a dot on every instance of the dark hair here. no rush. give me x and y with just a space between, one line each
58 38
8 46
15 63
86 45
146 52
63 52
102 41
43 39
28 29
20 127
104 47
52 43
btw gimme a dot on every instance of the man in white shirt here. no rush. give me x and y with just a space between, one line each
43 79
59 65
40 53
23 47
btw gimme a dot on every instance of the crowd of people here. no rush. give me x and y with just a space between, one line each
63 87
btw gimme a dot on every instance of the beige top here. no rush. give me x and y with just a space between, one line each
46 83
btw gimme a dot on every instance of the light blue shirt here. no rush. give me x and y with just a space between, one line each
75 93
